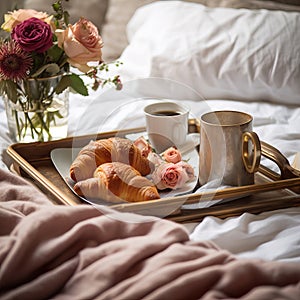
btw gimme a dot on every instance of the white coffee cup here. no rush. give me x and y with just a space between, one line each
166 124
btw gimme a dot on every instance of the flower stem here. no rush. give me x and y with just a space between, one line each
44 126
17 123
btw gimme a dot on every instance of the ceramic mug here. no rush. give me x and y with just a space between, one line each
230 151
166 124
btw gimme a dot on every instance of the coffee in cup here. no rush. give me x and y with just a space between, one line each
166 124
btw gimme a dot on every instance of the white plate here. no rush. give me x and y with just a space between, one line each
62 159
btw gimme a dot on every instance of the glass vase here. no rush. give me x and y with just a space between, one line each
39 114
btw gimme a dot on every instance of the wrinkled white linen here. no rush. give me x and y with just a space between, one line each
220 52
271 235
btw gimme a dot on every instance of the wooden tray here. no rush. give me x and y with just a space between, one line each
270 191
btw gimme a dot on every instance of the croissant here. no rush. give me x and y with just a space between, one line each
108 150
115 181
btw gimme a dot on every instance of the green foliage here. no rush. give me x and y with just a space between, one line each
73 81
49 69
55 53
61 15
9 88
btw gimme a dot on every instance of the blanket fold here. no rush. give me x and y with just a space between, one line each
60 252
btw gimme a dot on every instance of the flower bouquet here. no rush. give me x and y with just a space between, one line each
170 170
42 58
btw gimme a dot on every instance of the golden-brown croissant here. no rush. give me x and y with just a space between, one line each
113 149
115 181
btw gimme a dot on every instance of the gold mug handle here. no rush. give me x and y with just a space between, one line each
251 159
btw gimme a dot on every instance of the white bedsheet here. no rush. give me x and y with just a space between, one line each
272 235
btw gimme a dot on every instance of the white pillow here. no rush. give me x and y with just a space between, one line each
222 53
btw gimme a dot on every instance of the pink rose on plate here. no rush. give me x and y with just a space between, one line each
82 44
188 169
143 145
169 175
155 158
172 155
33 35
16 17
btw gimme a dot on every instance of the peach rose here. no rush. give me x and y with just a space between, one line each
81 43
172 155
169 175
16 17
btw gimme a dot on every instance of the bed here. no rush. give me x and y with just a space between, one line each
209 55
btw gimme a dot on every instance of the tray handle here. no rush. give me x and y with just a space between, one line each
286 170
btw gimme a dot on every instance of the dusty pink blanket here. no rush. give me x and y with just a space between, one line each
58 252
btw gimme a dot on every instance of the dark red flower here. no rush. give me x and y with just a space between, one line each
33 35
15 63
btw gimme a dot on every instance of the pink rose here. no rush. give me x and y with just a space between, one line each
82 44
169 175
33 35
188 169
16 17
155 158
172 155
143 145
